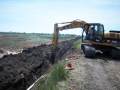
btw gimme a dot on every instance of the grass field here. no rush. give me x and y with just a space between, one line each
11 39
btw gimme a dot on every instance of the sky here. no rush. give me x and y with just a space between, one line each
39 16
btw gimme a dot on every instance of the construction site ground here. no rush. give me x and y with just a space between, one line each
99 73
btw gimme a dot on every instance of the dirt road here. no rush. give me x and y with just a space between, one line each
99 73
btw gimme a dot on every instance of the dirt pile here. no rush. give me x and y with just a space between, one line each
34 61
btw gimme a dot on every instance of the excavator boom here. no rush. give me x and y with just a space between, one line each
70 25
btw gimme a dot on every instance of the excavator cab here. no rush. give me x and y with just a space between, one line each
92 37
93 32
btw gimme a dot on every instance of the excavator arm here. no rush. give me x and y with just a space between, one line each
70 25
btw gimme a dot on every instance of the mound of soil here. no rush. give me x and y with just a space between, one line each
33 61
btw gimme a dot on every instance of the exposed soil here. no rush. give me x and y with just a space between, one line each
99 73
34 61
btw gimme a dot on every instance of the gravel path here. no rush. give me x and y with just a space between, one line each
99 73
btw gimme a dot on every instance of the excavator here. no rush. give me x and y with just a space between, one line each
94 38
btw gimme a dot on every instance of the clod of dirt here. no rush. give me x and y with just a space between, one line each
1 51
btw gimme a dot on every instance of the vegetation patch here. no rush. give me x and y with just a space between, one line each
57 73
77 45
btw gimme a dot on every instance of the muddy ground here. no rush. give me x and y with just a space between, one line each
33 61
99 73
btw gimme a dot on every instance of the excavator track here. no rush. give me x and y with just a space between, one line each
89 51
115 53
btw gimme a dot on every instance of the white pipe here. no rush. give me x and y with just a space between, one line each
35 82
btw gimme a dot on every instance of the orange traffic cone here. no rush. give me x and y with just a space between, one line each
69 65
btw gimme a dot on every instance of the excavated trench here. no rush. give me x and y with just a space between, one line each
33 61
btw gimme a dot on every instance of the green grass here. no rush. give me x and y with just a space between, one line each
57 73
77 45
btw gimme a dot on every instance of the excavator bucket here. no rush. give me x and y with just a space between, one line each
52 60
51 55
